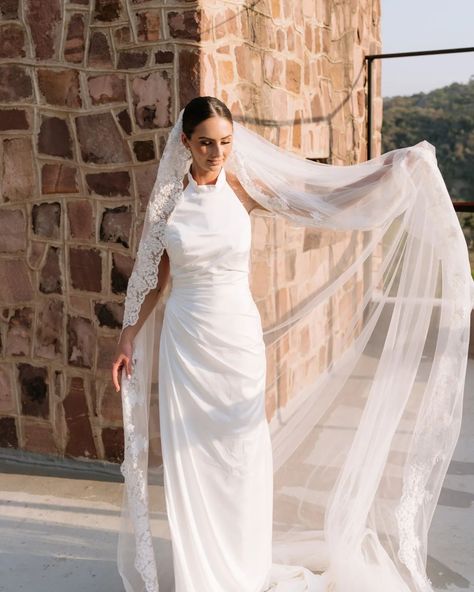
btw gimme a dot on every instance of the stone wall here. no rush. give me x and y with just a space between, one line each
88 92
295 73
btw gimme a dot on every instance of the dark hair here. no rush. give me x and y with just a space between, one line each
200 109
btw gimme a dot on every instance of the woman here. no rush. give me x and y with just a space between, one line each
219 458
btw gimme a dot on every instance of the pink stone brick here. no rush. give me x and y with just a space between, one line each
58 178
144 150
190 70
34 386
123 117
15 83
293 76
185 25
91 131
276 9
121 270
110 406
281 40
226 72
7 395
9 9
122 35
54 137
109 314
282 301
113 441
326 41
12 231
36 254
116 225
12 41
60 87
14 119
43 18
152 99
85 268
308 36
81 342
148 25
18 170
38 436
80 439
99 51
106 349
231 22
290 265
219 25
270 403
18 342
283 387
109 184
46 219
50 275
128 60
107 10
75 40
164 57
261 278
81 219
109 88
273 70
79 303
8 432
49 333
15 282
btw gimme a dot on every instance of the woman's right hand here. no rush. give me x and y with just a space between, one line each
123 358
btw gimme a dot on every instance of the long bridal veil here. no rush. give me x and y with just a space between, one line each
365 301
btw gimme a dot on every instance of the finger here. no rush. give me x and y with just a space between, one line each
128 366
115 374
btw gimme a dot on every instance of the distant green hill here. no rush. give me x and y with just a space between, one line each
444 117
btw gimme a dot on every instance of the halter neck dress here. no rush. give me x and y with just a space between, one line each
215 439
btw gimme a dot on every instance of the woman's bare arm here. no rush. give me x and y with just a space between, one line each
151 299
123 356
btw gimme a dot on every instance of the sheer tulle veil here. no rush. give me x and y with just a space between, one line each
370 407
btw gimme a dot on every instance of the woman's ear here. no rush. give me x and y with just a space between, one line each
185 181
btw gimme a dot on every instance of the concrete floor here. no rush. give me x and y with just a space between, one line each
58 532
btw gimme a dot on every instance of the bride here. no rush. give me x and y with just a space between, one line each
337 493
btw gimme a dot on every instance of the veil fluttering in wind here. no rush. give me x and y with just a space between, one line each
381 324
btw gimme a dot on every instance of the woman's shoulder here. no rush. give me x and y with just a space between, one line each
248 202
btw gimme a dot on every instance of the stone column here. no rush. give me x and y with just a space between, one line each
88 92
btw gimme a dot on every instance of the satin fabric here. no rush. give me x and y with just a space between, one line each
215 440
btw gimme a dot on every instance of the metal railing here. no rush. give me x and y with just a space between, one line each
459 206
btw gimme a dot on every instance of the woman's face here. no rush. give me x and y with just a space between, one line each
210 143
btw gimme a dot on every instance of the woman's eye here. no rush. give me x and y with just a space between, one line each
207 143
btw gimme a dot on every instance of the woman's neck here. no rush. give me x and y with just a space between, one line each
202 179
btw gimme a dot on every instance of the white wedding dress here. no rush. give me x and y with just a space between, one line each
215 439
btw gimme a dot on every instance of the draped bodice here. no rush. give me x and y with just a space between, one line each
208 237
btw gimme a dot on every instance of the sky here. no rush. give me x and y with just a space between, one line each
414 25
